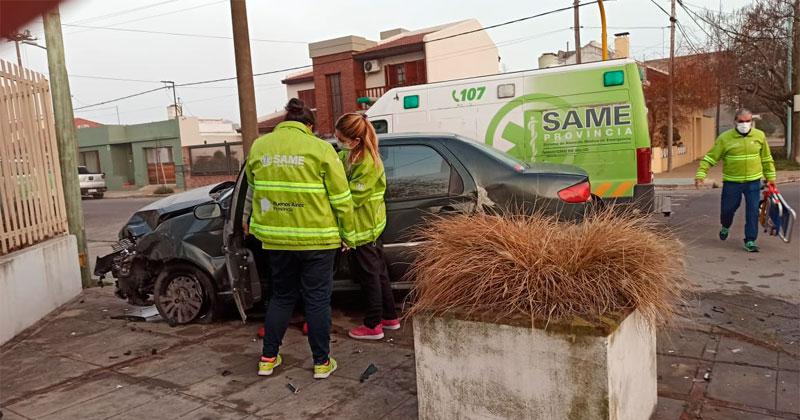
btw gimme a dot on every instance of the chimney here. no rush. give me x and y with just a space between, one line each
171 112
622 45
547 60
392 32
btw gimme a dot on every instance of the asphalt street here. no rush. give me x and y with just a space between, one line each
714 265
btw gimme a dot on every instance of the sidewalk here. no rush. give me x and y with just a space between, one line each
80 363
683 177
146 191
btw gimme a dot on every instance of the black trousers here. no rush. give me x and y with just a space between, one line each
295 275
368 265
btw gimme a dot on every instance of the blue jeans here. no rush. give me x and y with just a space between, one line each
296 274
731 198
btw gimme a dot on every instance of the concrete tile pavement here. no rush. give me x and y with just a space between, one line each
208 371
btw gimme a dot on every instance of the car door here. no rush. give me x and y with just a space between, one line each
424 180
245 284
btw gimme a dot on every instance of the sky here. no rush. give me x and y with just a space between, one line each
279 33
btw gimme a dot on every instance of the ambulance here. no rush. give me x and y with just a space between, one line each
590 115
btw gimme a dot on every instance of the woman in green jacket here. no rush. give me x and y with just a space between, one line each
367 181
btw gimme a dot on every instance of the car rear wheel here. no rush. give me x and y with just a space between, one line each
183 294
98 195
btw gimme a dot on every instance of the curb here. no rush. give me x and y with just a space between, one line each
712 185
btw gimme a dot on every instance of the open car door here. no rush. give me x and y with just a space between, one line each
244 281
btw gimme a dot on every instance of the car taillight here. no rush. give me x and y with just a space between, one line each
578 193
644 174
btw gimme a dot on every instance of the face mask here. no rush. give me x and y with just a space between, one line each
343 145
743 127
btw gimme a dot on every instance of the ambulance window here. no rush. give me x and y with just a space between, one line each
381 126
415 172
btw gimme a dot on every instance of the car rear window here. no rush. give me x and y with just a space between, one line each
500 156
82 170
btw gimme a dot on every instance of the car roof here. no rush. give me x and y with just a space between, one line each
420 135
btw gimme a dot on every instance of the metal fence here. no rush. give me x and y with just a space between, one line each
31 195
216 159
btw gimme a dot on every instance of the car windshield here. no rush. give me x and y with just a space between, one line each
501 156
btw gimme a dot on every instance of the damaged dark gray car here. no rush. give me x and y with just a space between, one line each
187 253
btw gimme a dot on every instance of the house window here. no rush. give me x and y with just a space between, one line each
308 98
91 160
400 74
406 74
216 159
160 165
335 95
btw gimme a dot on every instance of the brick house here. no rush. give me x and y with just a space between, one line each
351 72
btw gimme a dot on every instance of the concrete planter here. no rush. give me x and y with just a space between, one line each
468 369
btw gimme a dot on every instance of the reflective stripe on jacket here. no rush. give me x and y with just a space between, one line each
301 200
368 187
745 158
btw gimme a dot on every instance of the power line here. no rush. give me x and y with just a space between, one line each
122 12
225 79
538 15
121 98
662 9
119 79
152 16
144 31
690 13
201 82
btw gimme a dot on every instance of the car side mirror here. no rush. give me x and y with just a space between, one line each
208 211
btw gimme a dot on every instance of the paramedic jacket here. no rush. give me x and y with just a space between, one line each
746 158
368 186
300 197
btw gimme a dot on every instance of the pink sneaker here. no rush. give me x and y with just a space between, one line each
390 324
362 332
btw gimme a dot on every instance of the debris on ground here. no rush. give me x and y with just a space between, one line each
292 388
127 353
718 309
226 372
736 350
139 314
371 370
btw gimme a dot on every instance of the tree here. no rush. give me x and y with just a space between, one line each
696 87
757 38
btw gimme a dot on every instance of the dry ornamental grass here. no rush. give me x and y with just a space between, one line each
537 268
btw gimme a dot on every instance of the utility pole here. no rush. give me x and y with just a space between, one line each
794 85
671 87
603 29
174 97
65 135
577 23
21 37
244 74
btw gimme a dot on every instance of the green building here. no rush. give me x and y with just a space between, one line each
133 156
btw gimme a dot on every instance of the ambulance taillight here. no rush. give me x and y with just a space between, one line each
644 174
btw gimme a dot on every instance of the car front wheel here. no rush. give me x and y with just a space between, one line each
183 294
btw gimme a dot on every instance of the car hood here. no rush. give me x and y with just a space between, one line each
150 216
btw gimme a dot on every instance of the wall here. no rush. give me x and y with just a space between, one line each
194 181
35 281
291 90
195 131
697 135
469 55
128 142
378 79
351 80
554 374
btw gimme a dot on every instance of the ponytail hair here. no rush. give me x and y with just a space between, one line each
356 126
296 110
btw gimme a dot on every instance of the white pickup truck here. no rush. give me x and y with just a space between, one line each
93 185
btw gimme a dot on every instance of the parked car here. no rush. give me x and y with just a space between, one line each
187 253
92 184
